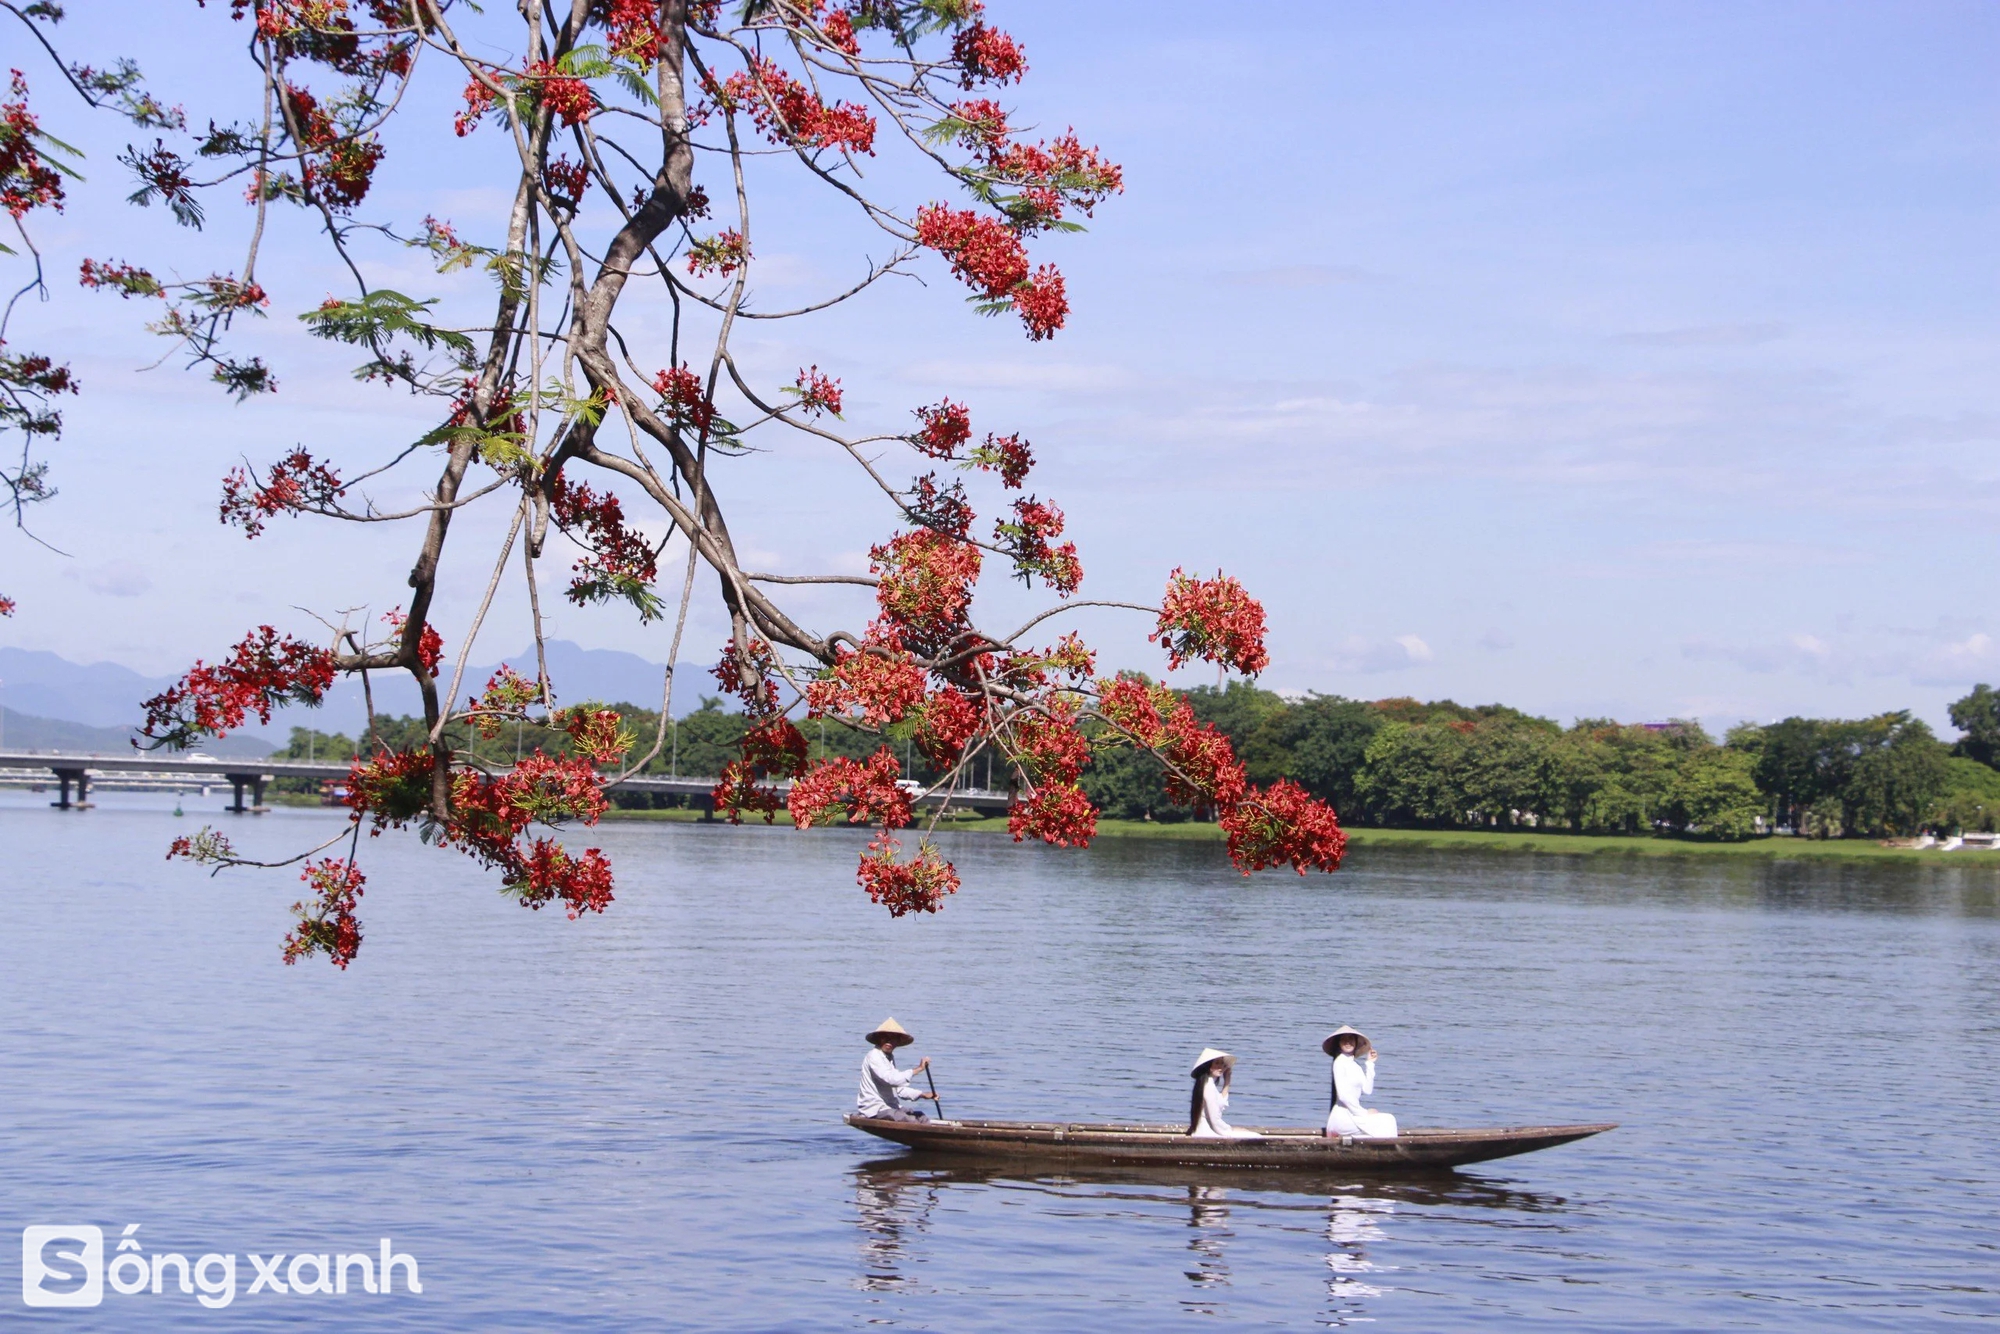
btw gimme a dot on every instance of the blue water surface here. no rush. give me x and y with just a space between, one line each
632 1122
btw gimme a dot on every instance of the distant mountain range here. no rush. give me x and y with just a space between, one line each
94 706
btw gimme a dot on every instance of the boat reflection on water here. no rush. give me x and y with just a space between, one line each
893 1209
895 1198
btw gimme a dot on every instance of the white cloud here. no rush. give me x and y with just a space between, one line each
117 579
1358 653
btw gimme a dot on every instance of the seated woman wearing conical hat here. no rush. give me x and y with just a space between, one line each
1211 1098
1353 1080
884 1088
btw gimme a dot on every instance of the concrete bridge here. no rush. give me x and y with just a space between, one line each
78 772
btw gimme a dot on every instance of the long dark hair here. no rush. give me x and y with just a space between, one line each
1201 1072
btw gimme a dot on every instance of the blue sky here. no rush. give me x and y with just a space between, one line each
1632 360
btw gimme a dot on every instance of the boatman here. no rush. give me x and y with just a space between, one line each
884 1088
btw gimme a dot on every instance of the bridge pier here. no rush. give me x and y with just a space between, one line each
255 782
81 777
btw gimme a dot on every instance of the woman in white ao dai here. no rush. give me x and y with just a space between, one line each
1210 1099
1354 1079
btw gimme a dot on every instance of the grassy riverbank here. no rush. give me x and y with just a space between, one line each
1590 845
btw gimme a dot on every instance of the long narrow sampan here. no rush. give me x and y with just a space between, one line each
1296 1147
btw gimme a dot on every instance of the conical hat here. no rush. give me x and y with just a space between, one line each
1211 1054
891 1031
1332 1044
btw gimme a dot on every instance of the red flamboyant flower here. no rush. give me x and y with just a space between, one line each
941 509
633 27
27 179
262 672
818 393
479 99
327 924
621 563
546 872
567 180
985 253
687 402
785 111
748 673
507 695
772 747
1008 455
563 96
1048 745
1204 769
925 587
721 254
1137 706
390 787
1214 620
294 484
985 123
838 27
876 686
946 722
129 280
1283 823
1056 813
943 429
598 733
987 55
7 606
430 644
918 885
1028 540
1041 303
868 793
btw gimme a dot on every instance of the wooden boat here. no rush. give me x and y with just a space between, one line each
1293 1148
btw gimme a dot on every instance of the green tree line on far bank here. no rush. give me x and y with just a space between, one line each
1402 763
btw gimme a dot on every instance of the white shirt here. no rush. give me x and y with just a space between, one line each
1214 1102
1353 1080
882 1084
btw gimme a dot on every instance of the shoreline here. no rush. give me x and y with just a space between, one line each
1769 848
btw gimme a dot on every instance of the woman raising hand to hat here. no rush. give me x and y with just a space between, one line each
1353 1079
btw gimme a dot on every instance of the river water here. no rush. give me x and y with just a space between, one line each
632 1122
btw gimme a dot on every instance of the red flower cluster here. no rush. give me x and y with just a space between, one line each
27 179
785 111
633 27
563 96
918 885
1008 455
985 253
772 747
391 787
818 393
987 55
747 674
838 28
943 509
1027 539
877 686
547 871
7 606
1042 302
925 587
721 254
566 180
336 166
327 924
1056 813
987 256
868 793
1283 824
1053 176
507 693
686 401
479 100
1205 771
430 644
129 279
295 483
1214 620
598 733
946 723
621 563
260 673
944 428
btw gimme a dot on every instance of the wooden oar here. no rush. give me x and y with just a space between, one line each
934 1097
